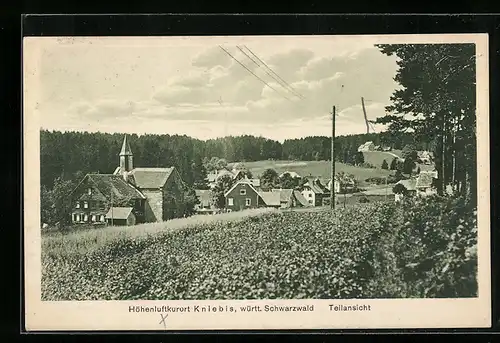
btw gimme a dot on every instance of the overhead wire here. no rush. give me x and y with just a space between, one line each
276 78
251 72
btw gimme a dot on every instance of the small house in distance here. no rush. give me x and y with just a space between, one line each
123 216
404 188
290 198
292 174
314 192
368 146
425 183
243 195
204 206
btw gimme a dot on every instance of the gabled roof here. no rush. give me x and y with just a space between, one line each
285 194
125 147
204 196
150 177
300 198
244 181
316 186
109 184
424 179
270 198
119 212
408 184
214 176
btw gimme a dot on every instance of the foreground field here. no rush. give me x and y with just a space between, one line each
373 251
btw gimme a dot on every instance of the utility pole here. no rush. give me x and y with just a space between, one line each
111 207
364 113
332 188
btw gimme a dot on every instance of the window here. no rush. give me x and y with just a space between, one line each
77 204
89 191
74 217
85 204
85 218
77 218
102 217
248 201
230 202
94 218
310 201
310 195
243 191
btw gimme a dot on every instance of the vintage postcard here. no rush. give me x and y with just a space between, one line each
256 182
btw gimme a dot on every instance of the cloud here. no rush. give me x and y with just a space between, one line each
211 58
220 92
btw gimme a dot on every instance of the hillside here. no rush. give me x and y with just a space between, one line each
321 169
377 157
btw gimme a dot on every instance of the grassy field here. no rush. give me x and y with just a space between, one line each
85 241
376 158
361 251
320 169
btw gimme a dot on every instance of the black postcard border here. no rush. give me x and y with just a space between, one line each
277 24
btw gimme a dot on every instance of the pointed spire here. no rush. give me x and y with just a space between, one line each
126 151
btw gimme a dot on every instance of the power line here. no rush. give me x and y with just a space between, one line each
264 63
280 81
251 72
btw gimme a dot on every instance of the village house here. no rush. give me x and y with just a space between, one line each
348 185
425 183
129 195
367 146
290 198
422 185
204 205
315 192
243 195
425 157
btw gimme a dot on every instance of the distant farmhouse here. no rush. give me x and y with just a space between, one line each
422 185
347 185
129 195
368 146
425 157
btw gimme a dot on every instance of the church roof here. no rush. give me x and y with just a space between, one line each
125 147
151 177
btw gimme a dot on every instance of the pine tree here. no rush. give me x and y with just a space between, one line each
385 165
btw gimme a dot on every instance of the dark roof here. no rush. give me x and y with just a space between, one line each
408 184
316 186
125 147
119 212
270 198
151 177
108 183
204 196
285 194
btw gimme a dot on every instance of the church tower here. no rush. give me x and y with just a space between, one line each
126 158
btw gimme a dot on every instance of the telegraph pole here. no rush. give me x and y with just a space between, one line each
332 188
111 207
364 113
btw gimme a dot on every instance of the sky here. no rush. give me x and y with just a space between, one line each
191 86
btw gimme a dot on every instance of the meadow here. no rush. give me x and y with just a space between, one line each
376 250
320 169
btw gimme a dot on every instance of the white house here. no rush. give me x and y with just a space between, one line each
367 146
